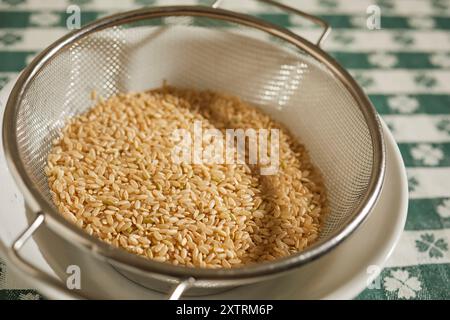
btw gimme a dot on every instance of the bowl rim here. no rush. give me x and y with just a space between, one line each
133 262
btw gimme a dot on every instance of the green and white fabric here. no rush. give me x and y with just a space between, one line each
404 67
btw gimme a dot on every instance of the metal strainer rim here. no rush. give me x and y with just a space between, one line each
130 261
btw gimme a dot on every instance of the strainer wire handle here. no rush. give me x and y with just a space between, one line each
180 288
326 27
27 267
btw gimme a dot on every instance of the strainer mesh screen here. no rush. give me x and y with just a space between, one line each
204 53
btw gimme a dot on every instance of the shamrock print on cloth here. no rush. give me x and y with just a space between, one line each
44 19
381 59
13 2
435 248
403 104
424 80
413 183
401 283
439 5
427 154
440 59
391 125
80 2
145 2
403 39
385 5
444 125
29 296
2 274
444 208
10 38
3 81
343 38
363 80
329 4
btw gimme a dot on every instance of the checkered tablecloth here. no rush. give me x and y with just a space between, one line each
404 67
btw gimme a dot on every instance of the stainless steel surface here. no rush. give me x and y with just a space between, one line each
287 76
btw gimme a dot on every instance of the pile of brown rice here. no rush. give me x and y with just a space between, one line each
112 174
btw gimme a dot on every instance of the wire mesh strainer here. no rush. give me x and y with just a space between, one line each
205 48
